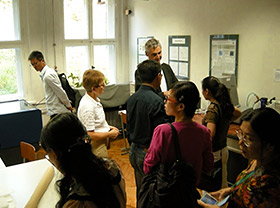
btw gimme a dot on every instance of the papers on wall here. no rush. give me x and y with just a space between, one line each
179 47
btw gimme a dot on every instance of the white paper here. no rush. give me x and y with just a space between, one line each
183 69
174 67
184 53
178 41
174 53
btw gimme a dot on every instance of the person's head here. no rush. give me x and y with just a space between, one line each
258 135
62 138
93 80
212 88
36 59
183 97
68 146
150 72
153 50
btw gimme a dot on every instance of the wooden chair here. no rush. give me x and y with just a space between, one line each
27 151
122 114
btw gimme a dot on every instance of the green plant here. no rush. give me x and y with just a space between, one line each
75 80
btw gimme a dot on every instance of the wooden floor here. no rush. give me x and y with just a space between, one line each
128 172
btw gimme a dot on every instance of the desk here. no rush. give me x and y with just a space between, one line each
22 179
19 121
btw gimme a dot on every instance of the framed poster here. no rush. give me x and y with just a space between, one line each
179 55
223 55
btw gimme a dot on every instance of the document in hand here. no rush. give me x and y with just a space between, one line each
208 199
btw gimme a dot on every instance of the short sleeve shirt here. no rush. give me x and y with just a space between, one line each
91 114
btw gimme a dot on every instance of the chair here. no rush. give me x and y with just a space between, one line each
122 114
40 154
27 151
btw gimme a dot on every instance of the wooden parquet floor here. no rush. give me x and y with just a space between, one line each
127 170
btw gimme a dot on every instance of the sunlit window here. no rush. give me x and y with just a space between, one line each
9 23
11 84
103 53
76 60
103 18
90 37
75 19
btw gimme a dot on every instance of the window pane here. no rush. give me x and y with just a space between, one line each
105 61
103 17
75 19
76 61
8 71
9 21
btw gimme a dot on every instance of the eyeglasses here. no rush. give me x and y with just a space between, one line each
244 138
166 98
101 85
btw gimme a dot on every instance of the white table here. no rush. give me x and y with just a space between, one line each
2 164
22 179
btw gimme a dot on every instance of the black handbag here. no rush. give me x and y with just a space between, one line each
169 185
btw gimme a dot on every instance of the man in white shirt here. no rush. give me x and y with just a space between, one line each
56 98
91 113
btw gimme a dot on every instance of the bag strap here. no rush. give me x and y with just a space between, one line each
176 142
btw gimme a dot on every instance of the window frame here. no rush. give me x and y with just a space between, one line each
91 42
19 48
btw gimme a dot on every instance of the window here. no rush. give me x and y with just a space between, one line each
11 85
89 37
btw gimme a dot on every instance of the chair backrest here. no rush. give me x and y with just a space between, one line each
123 116
27 151
40 154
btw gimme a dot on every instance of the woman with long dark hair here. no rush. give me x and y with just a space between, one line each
219 114
87 182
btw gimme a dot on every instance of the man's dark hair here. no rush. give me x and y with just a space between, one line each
148 70
36 54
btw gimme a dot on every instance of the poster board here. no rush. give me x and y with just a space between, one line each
141 55
223 55
179 55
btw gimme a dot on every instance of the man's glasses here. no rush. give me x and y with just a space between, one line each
171 100
245 139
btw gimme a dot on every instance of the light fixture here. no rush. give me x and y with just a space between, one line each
100 2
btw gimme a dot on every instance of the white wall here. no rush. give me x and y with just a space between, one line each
256 21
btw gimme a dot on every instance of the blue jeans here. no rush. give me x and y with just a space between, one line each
136 158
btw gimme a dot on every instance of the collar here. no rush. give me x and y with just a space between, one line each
43 71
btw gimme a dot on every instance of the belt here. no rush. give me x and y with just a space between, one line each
140 146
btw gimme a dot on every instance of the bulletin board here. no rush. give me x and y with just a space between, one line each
179 55
223 55
141 55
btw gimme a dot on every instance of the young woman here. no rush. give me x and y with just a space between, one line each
87 181
259 184
217 118
194 139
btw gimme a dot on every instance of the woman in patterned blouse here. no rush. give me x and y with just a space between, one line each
258 185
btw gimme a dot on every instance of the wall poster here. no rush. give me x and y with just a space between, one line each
179 56
223 55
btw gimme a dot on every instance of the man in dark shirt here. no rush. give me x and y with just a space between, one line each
145 110
153 51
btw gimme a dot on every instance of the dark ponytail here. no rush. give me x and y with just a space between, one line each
220 93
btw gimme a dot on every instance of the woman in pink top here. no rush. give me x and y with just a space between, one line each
194 139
